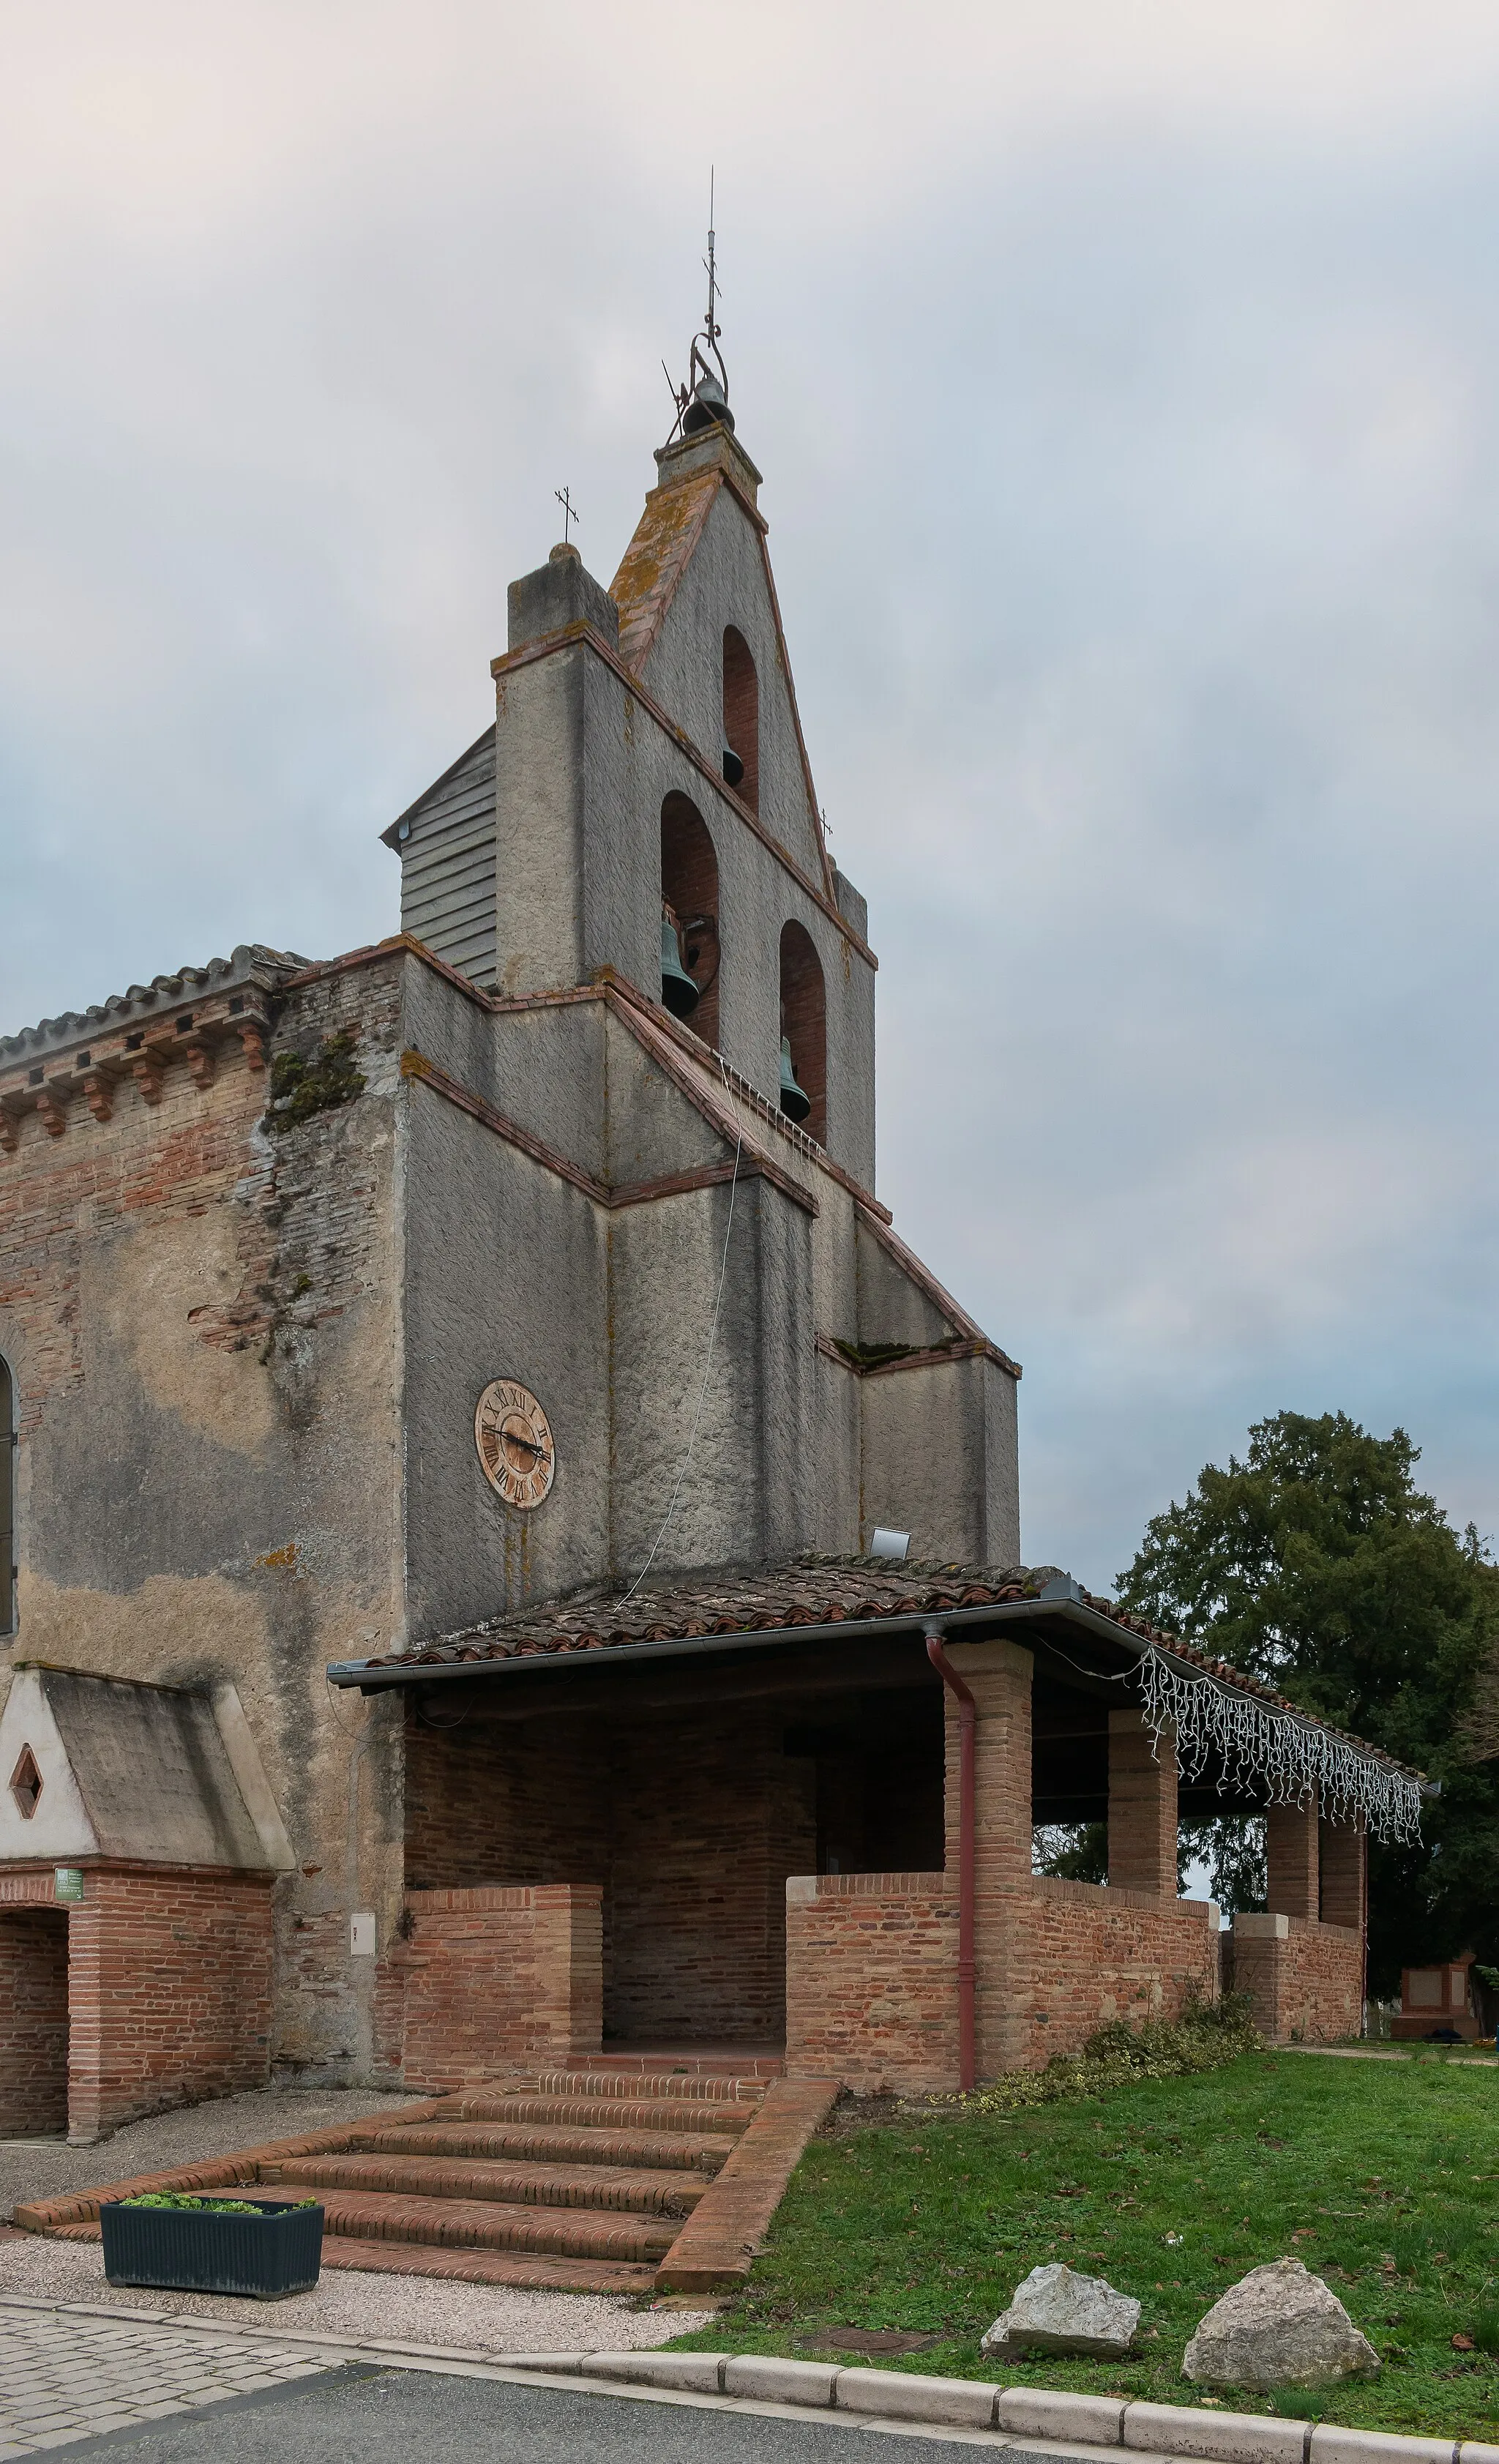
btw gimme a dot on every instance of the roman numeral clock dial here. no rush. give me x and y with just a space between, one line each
515 1443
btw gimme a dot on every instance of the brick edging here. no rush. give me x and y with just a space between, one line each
1054 2414
717 2245
215 2173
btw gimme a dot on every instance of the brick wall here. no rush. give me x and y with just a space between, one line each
1305 1980
33 2022
688 1826
871 1980
489 1978
1096 1953
168 1992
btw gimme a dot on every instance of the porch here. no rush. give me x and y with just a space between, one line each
758 1841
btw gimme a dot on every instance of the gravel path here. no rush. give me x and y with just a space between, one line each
401 2309
397 2309
43 2168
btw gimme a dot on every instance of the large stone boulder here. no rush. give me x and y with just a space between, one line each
1278 2326
1057 2311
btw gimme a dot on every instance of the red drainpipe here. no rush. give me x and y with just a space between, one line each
966 1710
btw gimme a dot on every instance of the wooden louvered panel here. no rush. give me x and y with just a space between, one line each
448 867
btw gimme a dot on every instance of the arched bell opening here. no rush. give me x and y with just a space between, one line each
741 717
803 1033
690 952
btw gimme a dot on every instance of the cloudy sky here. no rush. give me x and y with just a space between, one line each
1124 376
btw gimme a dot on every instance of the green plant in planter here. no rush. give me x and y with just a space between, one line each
199 2203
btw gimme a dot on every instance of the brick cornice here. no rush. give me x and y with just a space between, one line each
931 1355
879 1224
633 1007
752 1165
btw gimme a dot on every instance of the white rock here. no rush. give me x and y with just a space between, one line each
1278 2326
1057 2311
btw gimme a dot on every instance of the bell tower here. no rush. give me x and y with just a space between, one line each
645 804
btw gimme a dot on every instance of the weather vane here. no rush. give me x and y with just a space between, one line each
704 399
569 510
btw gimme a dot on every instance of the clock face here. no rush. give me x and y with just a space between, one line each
515 1441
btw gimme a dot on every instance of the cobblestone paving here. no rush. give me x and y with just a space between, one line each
64 2377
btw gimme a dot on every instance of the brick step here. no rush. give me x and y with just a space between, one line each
485 2223
764 2067
605 2113
534 2142
527 2273
715 2088
607 2187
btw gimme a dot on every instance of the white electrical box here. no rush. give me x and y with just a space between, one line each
362 1934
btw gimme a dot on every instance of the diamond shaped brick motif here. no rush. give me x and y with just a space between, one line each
26 1784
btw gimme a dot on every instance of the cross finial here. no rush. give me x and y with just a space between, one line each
569 510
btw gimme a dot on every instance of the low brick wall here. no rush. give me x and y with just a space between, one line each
1097 1953
168 1992
33 2022
871 1980
489 1978
1305 1980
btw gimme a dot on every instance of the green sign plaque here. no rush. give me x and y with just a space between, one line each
67 1883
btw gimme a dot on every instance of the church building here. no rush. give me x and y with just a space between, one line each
515 1561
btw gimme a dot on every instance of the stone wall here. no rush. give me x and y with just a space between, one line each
871 1980
33 2022
168 1993
484 1979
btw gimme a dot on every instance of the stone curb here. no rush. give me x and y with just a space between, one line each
1087 2424
1053 2414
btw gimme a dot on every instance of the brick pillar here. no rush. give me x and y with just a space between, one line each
1344 1851
1142 1809
999 1675
1290 1850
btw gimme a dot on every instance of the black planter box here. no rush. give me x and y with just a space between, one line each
191 2249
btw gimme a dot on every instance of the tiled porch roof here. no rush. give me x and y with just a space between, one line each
805 1591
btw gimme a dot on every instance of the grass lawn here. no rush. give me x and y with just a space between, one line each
1381 2176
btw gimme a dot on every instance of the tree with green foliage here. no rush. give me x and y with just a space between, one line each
1317 1565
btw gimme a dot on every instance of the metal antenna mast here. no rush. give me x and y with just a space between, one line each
704 399
713 329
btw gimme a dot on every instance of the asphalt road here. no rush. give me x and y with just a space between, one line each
421 2417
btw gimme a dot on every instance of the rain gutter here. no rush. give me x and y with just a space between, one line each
1061 1598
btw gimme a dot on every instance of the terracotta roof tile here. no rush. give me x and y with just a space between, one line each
798 1592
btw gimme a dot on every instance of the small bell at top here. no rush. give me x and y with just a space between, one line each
678 992
795 1101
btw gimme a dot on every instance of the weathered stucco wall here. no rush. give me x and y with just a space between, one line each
205 1323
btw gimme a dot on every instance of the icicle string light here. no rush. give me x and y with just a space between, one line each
1289 1756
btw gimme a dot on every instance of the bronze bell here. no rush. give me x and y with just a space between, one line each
795 1101
678 992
